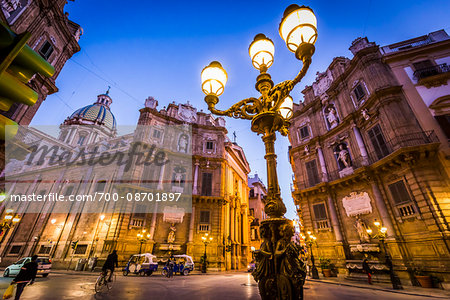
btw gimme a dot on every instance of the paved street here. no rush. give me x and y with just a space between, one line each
198 287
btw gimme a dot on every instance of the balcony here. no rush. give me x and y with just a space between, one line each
432 76
392 145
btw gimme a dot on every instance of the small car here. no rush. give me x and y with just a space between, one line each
44 266
141 264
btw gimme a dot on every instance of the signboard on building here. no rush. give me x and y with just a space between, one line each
357 204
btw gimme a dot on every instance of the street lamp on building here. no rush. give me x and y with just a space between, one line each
381 236
142 238
9 220
310 240
268 114
205 240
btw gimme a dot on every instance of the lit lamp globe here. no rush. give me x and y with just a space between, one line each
261 52
286 108
298 28
214 79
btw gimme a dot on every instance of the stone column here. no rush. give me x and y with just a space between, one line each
334 219
191 226
382 209
362 147
161 177
322 164
232 234
195 187
153 223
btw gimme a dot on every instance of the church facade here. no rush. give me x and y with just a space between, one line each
201 164
360 156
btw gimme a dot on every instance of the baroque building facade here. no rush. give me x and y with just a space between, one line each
256 203
360 155
53 36
212 177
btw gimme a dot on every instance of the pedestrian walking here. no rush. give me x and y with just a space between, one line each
367 270
27 274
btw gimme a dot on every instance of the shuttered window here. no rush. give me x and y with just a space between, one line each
399 192
359 92
320 212
311 171
204 216
378 141
304 132
207 184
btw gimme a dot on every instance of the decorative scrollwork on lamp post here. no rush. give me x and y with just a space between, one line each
142 238
280 273
381 236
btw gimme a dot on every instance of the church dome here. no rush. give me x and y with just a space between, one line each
98 113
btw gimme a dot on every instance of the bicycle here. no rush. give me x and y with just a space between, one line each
102 284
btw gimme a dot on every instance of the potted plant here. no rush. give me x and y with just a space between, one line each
423 279
325 266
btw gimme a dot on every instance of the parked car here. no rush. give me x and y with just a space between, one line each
44 266
141 264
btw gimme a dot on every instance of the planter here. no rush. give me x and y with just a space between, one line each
425 281
326 272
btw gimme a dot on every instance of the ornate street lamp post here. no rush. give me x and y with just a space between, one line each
142 238
280 273
381 236
310 241
205 240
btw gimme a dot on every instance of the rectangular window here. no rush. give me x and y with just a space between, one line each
320 211
378 141
204 216
359 92
311 171
304 132
81 139
139 211
252 193
444 122
46 50
207 184
81 249
100 187
210 146
69 191
399 192
15 249
156 134
45 250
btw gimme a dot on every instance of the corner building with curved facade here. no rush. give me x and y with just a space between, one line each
218 182
360 155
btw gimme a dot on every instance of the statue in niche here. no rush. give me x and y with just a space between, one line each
171 236
183 143
306 149
361 228
179 176
332 118
343 156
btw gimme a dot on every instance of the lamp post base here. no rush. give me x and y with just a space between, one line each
280 273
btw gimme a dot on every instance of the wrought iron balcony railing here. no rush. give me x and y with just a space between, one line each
431 71
390 146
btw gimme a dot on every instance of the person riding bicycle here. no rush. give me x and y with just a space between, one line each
109 264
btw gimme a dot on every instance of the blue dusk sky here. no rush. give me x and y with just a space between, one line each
158 48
